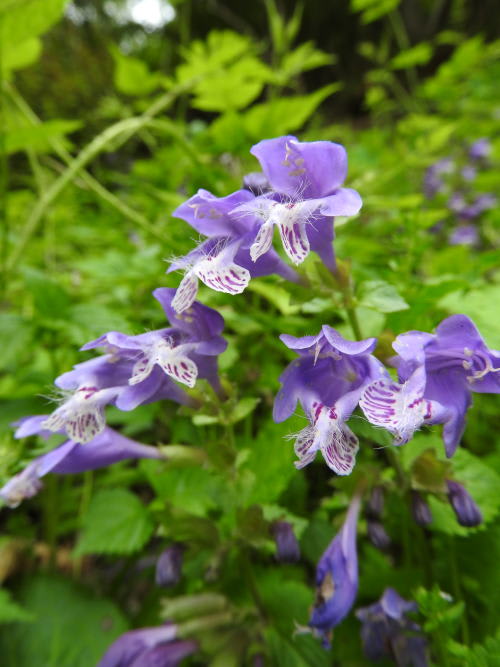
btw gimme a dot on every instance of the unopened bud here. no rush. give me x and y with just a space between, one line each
287 546
169 566
377 534
467 512
375 505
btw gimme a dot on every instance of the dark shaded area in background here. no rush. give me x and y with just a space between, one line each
73 84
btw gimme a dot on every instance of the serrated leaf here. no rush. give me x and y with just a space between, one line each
71 628
116 522
39 138
132 76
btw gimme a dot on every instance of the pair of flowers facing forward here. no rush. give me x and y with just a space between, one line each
437 374
299 192
135 370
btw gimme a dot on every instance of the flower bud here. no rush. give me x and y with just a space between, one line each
420 509
467 512
377 534
169 566
287 547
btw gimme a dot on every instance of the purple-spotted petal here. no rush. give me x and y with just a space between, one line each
186 292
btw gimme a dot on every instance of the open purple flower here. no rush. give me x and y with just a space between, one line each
328 379
437 373
71 457
148 647
387 632
223 261
306 180
337 577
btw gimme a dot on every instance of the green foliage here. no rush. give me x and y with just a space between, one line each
70 626
116 522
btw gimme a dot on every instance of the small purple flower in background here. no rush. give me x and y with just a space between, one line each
257 183
337 577
480 149
306 180
377 534
433 179
169 566
387 633
373 511
438 373
148 647
420 509
71 457
328 379
467 512
375 504
287 546
464 235
482 203
223 261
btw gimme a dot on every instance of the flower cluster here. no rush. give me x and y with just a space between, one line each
299 192
134 370
452 181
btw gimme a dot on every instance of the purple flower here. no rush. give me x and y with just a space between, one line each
420 509
223 261
482 203
287 547
306 180
337 577
169 566
438 371
375 505
148 647
71 457
256 183
467 512
433 179
387 633
328 379
464 235
480 149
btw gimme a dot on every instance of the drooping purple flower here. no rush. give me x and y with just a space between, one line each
375 504
306 180
337 577
287 546
480 149
386 632
467 512
223 261
420 509
328 379
71 457
169 566
438 372
148 647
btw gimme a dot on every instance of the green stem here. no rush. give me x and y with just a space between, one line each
252 585
117 134
457 588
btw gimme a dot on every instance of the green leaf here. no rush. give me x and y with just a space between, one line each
243 408
132 76
25 54
15 337
420 54
38 138
50 299
371 10
72 627
116 522
381 296
305 57
278 296
23 19
10 611
481 305
89 320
